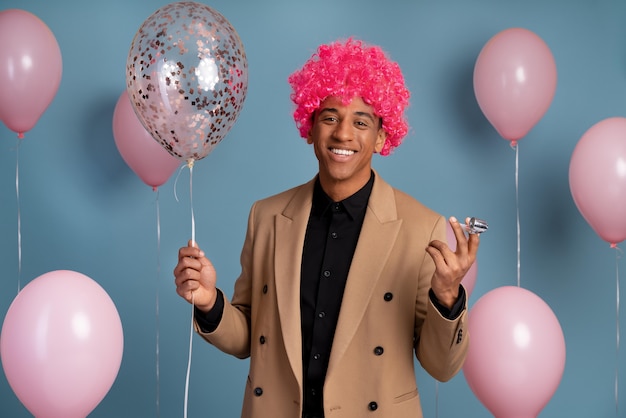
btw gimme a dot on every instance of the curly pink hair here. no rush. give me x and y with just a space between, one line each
348 70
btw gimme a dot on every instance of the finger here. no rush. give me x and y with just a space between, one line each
204 262
183 273
186 288
187 267
459 235
473 244
193 252
437 250
188 259
435 254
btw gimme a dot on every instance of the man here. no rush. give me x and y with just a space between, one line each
343 279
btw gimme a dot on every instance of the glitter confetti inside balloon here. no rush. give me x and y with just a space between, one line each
187 76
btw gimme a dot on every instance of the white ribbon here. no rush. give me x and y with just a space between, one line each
158 372
516 148
617 251
19 216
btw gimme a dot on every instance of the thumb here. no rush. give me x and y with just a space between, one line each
204 260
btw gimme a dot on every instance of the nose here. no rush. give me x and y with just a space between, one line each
343 131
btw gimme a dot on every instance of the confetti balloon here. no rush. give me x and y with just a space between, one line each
187 77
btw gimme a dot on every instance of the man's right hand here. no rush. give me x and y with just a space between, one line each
195 277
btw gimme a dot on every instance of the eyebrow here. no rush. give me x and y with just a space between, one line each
357 113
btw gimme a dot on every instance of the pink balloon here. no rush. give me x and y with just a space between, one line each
514 81
140 151
187 76
30 69
516 356
61 345
469 280
597 178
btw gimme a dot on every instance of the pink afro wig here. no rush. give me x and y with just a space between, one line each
348 70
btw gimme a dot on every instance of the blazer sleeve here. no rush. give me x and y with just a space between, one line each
232 334
442 343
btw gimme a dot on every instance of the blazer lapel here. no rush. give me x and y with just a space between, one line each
378 234
290 231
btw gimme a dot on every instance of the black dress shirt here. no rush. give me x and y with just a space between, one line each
331 237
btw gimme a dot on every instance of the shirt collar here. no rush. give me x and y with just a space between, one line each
353 204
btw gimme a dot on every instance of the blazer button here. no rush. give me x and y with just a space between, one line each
388 296
379 351
258 391
262 339
265 289
372 406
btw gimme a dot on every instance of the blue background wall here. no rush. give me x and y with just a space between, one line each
83 209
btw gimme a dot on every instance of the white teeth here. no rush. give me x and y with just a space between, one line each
342 151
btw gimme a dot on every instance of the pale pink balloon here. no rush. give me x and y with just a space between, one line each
61 345
597 178
514 81
143 154
516 355
469 280
30 69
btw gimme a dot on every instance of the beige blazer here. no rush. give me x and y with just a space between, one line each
386 315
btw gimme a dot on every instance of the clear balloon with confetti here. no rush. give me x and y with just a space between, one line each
187 77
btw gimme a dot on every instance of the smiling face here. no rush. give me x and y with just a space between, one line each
345 137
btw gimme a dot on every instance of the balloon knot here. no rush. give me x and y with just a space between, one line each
513 144
190 162
613 245
155 188
20 135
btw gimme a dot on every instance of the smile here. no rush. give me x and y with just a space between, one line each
341 151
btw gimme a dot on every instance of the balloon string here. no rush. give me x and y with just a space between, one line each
193 220
190 163
158 371
617 329
189 358
19 216
517 214
182 167
436 399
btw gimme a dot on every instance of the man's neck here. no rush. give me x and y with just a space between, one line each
340 190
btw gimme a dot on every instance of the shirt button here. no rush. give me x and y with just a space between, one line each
316 357
372 406
265 289
321 314
326 273
388 296
334 235
262 339
258 391
379 351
